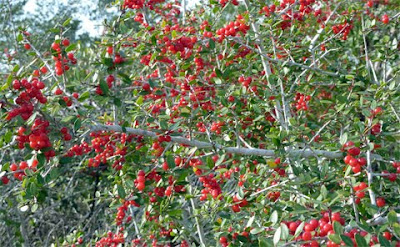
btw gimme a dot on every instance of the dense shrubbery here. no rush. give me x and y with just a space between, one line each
235 123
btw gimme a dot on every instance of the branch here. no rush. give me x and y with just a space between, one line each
234 150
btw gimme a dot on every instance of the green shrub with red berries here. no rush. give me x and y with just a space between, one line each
233 123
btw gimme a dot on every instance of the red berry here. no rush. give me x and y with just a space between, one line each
380 202
65 42
306 236
385 19
27 46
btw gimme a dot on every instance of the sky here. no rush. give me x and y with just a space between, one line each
93 28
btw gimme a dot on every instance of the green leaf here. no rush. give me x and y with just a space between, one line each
383 241
71 47
34 208
343 138
211 42
346 240
299 229
251 220
84 96
104 87
396 228
360 240
277 236
121 191
66 22
77 124
284 231
392 217
20 37
256 230
337 227
334 238
274 217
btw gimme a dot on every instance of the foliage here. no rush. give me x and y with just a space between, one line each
235 123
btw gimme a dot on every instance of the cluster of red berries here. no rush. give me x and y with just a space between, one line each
360 192
121 212
225 2
216 127
268 10
310 230
66 136
211 186
179 44
239 203
355 163
343 29
245 81
233 28
140 180
302 100
19 170
25 100
62 63
112 239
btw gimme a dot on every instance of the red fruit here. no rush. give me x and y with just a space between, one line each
385 19
75 95
146 87
58 91
55 46
347 159
293 226
165 166
5 179
236 208
140 186
349 144
141 179
354 151
178 160
362 161
141 173
336 216
306 236
387 235
13 167
380 202
27 46
110 50
65 42
362 186
356 169
314 223
392 177
16 85
223 240
354 162
23 165
34 163
370 3
277 161
43 70
309 227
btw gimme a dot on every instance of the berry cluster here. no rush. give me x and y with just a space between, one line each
343 29
140 181
302 100
61 62
121 212
355 163
26 98
19 170
112 239
233 28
